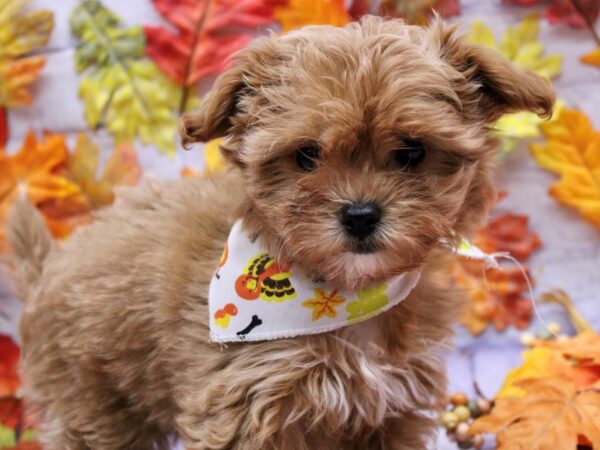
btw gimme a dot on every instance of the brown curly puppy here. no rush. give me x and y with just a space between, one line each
116 352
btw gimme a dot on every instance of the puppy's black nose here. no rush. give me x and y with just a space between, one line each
361 219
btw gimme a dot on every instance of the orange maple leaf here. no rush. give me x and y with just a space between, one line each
121 169
553 414
324 303
298 13
35 170
584 348
573 151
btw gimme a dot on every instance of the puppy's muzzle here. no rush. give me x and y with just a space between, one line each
360 220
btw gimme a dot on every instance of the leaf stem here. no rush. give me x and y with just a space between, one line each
190 62
588 20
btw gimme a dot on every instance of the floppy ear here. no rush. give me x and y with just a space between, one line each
250 68
494 85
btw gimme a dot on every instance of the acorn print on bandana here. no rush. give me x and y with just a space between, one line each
264 277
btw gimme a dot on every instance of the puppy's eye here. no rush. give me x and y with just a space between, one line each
307 157
409 154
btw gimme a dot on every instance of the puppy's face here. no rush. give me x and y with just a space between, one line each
364 146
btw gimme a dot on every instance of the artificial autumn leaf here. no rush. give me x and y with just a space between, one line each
21 34
9 358
497 296
575 13
419 11
324 304
572 150
120 89
208 32
10 406
545 361
3 128
122 168
34 168
552 415
583 348
97 190
592 58
212 156
26 446
521 45
508 233
298 13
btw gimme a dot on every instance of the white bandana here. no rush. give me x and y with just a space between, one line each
252 297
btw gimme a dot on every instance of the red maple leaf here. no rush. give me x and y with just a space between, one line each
3 128
575 13
10 406
208 32
508 233
9 358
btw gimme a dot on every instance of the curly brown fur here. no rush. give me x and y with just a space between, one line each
115 328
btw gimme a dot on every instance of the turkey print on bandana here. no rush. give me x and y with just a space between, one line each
265 277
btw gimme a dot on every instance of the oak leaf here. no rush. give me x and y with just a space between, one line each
572 150
208 32
553 414
298 13
419 11
120 89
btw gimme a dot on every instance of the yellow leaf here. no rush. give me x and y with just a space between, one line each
537 363
212 156
122 168
298 13
592 58
553 414
520 44
20 35
573 151
120 89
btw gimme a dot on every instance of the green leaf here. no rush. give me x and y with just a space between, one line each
121 89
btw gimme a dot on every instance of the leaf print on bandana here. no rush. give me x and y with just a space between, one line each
324 303
264 277
369 301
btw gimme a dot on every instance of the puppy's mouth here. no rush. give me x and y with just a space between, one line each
363 247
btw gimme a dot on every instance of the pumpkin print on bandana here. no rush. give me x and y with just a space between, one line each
264 277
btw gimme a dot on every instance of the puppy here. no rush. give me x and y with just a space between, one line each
377 115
